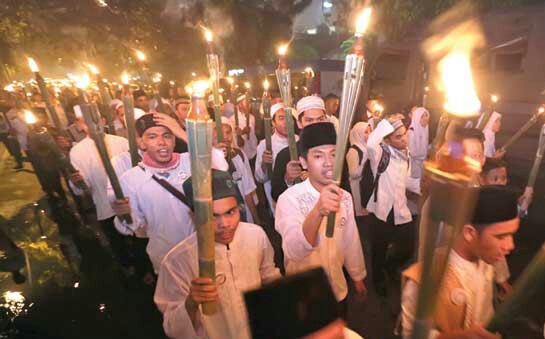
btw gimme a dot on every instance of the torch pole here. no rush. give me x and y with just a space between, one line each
106 100
48 105
283 76
537 161
92 120
199 132
267 125
213 69
131 134
524 128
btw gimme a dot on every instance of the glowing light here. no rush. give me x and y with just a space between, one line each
80 82
378 108
456 76
10 88
309 71
363 21
172 83
494 98
199 88
33 65
541 110
247 85
30 118
266 84
157 77
125 78
101 3
193 74
426 89
283 49
92 68
208 35
76 284
141 56
230 80
14 301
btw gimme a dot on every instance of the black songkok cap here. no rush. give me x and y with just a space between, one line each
292 307
223 186
318 134
139 93
495 204
144 122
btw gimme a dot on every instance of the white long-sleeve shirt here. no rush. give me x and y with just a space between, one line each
393 182
85 158
246 264
344 249
477 283
278 143
250 143
245 181
355 174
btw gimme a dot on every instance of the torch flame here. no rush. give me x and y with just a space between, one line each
33 66
157 77
199 88
30 118
494 98
363 21
208 35
141 56
125 78
309 71
92 68
10 88
283 49
80 82
266 84
457 79
247 85
541 110
230 80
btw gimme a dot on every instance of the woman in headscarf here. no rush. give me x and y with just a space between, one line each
492 127
419 140
355 159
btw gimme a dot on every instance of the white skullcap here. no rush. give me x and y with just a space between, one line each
241 98
115 103
118 105
275 108
310 102
228 109
138 113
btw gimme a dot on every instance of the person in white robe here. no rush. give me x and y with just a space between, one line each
419 140
279 141
492 127
246 129
332 103
243 261
303 208
355 159
465 300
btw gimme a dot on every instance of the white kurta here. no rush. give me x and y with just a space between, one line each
250 144
393 182
85 158
245 180
165 218
246 264
477 280
334 120
278 143
122 162
344 249
418 142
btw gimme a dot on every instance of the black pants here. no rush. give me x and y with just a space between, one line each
401 238
13 147
118 242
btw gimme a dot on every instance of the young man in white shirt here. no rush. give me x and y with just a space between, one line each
301 214
332 104
243 261
246 129
390 218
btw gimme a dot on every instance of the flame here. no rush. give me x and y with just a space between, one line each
426 89
30 118
247 85
188 89
80 82
157 77
310 71
10 88
33 65
208 35
378 108
92 68
541 110
266 84
230 80
283 49
494 98
363 21
456 76
125 78
141 56
172 83
199 88
193 74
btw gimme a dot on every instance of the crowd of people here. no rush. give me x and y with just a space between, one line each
277 274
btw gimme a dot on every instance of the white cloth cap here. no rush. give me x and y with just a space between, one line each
138 113
115 103
275 108
310 102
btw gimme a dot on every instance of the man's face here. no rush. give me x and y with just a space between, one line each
182 111
496 176
494 242
158 142
227 215
243 106
120 113
331 106
311 116
279 122
227 134
399 139
473 148
425 119
319 164
497 126
142 102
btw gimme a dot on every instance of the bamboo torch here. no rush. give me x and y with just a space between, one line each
452 192
248 86
535 167
231 81
481 124
199 133
267 121
128 104
527 285
283 77
45 95
539 115
309 78
354 68
439 138
214 70
105 95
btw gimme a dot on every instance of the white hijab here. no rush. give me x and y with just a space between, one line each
357 135
489 135
418 145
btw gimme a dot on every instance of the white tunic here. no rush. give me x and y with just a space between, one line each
85 158
477 283
245 180
244 265
165 218
250 144
344 249
334 120
278 143
393 182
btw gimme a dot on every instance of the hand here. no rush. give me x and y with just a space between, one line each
474 332
170 123
330 200
76 178
267 158
504 290
203 290
361 290
526 198
121 207
500 153
293 171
